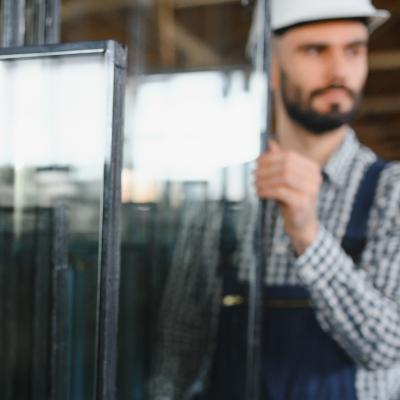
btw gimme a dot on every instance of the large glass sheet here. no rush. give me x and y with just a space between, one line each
57 156
195 112
195 135
188 202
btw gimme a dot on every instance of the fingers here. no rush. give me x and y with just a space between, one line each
285 160
283 167
278 168
286 196
294 182
309 186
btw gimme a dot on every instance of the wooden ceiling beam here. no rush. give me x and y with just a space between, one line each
384 60
197 51
75 9
198 3
174 37
380 105
167 32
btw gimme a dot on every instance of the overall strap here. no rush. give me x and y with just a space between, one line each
355 239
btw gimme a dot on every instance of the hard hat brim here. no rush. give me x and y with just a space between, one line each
378 19
375 19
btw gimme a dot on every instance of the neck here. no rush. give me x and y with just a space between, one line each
318 148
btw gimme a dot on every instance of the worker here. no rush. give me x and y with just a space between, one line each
332 275
331 301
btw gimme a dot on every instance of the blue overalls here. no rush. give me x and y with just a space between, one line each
299 360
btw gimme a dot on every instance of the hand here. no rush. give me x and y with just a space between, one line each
294 182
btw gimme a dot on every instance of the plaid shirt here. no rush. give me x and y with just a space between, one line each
358 305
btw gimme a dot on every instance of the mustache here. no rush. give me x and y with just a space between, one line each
353 95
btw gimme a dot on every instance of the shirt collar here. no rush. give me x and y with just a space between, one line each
338 166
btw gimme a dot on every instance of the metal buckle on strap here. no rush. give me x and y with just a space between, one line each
233 300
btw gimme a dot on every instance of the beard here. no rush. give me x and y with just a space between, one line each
316 122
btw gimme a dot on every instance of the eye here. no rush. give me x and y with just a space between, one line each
314 50
352 51
357 50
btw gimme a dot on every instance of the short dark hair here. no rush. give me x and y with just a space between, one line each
280 32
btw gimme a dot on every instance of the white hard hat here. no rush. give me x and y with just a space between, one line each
286 13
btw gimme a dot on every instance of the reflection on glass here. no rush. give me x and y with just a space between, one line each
186 190
55 119
206 120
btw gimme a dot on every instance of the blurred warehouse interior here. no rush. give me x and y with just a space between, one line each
165 35
194 111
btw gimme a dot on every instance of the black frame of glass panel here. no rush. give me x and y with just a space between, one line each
109 256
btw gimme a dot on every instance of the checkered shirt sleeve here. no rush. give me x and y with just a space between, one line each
359 304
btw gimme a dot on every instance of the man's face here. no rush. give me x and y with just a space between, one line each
320 70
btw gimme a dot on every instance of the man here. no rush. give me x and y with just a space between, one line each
332 281
332 273
337 232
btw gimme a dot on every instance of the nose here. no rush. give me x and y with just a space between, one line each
338 66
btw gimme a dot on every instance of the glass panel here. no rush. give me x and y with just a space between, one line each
194 121
25 323
195 111
56 113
